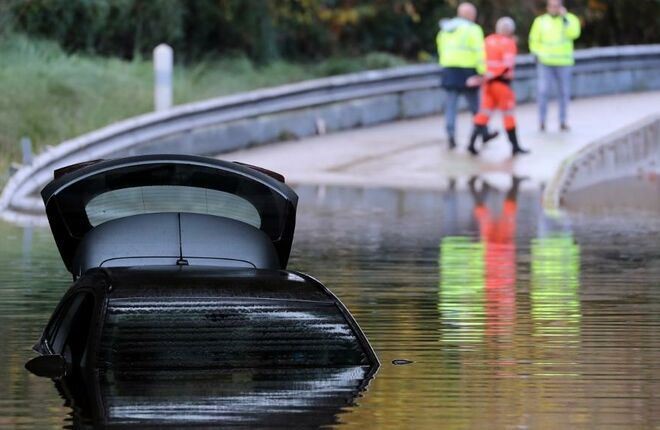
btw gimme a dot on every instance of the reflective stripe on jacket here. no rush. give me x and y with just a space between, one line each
551 39
461 44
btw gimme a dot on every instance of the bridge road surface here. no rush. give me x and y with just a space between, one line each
413 153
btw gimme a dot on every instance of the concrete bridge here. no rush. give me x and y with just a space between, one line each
378 128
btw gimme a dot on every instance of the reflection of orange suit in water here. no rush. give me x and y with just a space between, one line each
498 236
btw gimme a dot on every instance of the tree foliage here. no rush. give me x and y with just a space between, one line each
265 30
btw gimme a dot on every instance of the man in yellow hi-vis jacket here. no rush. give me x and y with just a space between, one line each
551 41
461 54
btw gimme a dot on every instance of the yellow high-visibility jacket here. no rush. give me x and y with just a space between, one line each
461 44
551 39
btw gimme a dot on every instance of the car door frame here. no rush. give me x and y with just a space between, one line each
97 287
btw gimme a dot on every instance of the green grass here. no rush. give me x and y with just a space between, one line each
50 96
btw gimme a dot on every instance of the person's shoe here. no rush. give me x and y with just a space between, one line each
564 127
519 151
452 143
542 126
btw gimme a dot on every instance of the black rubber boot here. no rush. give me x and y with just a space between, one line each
478 130
452 143
512 194
489 135
515 146
479 196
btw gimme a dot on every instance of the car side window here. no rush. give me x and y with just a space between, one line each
69 331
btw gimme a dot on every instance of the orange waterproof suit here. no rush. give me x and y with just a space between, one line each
496 92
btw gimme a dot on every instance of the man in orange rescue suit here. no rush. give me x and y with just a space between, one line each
497 93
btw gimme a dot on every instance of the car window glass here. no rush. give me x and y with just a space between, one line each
125 202
56 334
69 332
206 333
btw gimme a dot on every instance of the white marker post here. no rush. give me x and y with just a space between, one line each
163 59
26 148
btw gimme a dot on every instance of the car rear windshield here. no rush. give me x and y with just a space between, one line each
125 202
208 333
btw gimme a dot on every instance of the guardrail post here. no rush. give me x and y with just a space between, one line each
163 59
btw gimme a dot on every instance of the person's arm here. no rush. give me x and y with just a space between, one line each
509 55
480 47
509 60
571 26
535 37
438 42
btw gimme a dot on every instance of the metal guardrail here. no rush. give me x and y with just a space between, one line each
19 201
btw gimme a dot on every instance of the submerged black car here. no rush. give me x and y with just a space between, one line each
179 263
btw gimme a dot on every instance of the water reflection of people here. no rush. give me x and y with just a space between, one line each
498 234
477 283
555 281
479 307
461 290
477 295
461 279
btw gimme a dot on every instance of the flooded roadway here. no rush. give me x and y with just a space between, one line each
511 318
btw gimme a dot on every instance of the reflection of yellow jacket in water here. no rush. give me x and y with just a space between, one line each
461 295
555 285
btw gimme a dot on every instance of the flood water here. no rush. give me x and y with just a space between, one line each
512 318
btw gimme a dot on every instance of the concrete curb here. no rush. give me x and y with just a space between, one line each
625 153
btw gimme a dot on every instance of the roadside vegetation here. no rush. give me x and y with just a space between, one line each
49 95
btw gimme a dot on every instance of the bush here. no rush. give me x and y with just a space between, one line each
268 30
382 60
111 27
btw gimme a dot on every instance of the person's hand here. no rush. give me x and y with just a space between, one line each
474 81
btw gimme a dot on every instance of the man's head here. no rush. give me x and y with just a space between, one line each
505 26
467 11
554 7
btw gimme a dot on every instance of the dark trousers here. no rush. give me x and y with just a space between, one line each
451 105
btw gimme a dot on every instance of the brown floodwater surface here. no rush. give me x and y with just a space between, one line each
510 318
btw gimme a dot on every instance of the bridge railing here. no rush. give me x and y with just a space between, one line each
304 109
627 153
